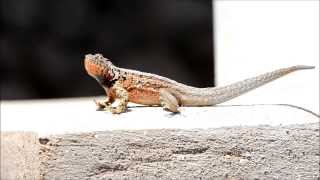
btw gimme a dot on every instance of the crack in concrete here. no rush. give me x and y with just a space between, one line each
197 150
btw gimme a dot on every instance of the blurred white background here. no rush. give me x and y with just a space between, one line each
254 37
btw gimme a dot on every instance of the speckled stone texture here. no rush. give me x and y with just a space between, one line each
263 152
19 156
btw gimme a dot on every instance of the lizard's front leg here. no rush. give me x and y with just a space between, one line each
122 96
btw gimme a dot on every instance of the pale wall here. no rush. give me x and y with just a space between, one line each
254 37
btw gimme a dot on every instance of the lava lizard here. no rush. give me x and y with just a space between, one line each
138 87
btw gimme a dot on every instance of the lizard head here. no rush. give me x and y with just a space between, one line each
100 68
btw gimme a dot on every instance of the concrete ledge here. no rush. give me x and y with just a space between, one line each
231 142
19 156
288 152
263 152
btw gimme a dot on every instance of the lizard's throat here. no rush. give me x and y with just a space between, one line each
107 78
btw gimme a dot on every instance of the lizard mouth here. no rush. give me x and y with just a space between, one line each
95 64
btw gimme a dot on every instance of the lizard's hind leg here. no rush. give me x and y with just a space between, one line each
168 101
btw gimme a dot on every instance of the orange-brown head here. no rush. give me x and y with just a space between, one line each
100 68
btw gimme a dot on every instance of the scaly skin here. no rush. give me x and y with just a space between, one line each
150 89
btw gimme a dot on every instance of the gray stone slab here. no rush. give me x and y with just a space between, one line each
263 152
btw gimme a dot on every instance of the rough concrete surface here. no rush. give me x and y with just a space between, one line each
19 156
263 152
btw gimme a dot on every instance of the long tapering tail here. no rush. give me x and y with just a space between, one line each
222 94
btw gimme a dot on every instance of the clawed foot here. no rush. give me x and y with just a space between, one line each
107 106
101 105
115 110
